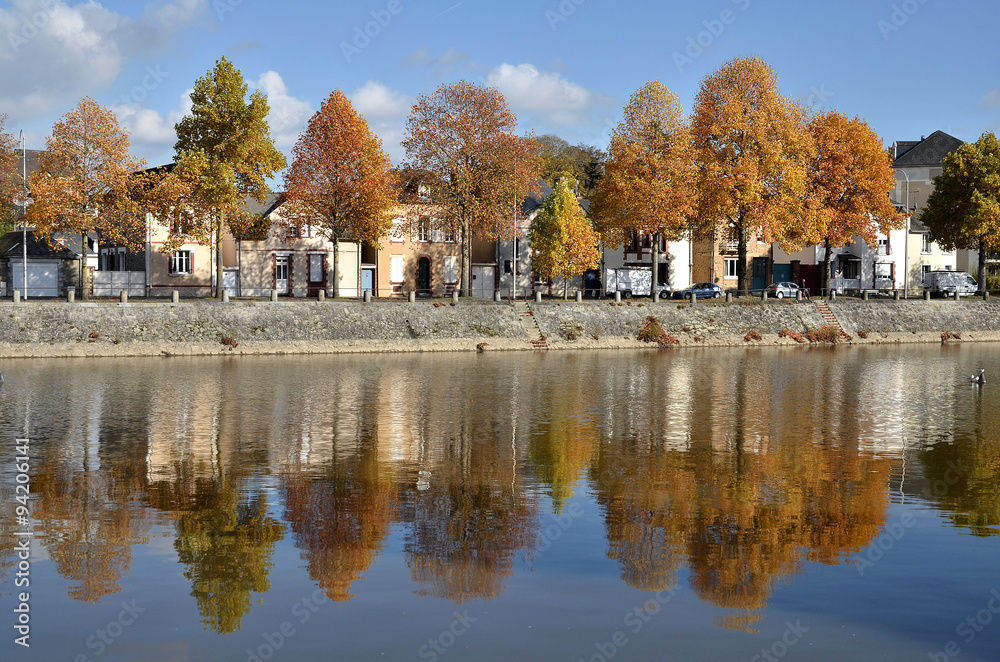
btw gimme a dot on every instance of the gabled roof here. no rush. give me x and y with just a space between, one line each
929 151
10 246
536 198
272 200
29 155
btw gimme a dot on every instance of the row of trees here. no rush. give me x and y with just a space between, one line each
748 161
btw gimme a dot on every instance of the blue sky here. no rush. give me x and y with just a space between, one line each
909 67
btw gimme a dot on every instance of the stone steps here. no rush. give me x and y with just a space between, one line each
530 326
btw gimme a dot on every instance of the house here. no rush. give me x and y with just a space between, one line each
714 260
519 281
676 265
421 254
917 163
296 260
855 266
51 266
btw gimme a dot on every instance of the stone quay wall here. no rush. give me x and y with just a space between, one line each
106 328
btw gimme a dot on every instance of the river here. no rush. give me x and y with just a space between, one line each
719 504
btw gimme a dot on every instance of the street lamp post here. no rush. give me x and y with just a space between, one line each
24 224
906 240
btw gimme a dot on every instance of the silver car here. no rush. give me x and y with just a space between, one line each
786 289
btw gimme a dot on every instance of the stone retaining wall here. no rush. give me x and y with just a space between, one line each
54 328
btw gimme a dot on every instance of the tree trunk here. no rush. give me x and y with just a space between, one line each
982 266
83 266
742 283
336 266
654 281
827 264
466 280
565 288
218 261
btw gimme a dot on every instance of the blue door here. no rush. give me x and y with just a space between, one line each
782 273
368 281
759 274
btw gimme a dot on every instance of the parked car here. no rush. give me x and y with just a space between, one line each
701 291
785 289
637 281
946 283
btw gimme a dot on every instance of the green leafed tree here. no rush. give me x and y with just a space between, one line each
562 239
963 211
225 154
650 182
340 180
559 159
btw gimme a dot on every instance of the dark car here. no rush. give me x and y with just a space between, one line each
701 291
786 289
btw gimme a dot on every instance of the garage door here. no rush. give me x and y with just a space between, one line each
43 277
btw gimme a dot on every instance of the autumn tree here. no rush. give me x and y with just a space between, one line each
850 177
463 137
650 181
225 154
563 241
340 180
752 146
10 178
963 210
84 181
559 159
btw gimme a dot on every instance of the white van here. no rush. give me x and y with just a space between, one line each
946 283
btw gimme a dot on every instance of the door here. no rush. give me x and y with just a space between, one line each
424 276
483 280
368 281
782 273
231 281
281 274
317 274
759 274
43 277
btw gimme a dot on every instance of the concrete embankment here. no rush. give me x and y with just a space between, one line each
52 328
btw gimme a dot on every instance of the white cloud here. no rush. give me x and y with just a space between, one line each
554 100
386 111
991 100
54 53
151 133
289 115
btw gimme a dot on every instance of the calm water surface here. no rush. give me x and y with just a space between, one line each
717 505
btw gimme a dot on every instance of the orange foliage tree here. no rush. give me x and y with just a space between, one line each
10 178
462 136
752 145
850 177
650 181
340 180
563 241
85 180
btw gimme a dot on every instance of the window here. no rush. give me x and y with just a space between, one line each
925 244
113 259
302 231
396 268
730 267
424 192
451 269
883 246
852 269
398 233
421 230
450 234
180 262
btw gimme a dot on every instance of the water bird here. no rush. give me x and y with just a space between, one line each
980 378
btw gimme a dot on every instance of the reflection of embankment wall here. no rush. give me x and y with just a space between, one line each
54 328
